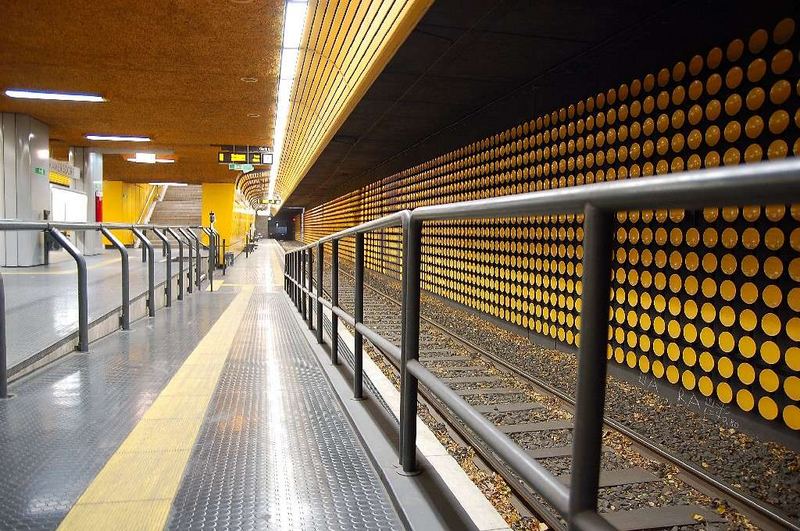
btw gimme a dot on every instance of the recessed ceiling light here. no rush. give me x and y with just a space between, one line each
249 79
118 138
54 96
253 115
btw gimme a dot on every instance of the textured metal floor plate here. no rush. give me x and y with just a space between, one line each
66 420
276 450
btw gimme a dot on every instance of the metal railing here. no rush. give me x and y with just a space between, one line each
184 235
764 183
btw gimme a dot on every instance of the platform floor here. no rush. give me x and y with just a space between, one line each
214 414
42 301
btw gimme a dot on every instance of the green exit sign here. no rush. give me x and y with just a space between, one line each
241 167
39 171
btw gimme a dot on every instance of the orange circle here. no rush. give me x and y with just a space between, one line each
783 31
781 61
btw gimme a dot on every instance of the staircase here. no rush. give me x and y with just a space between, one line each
182 205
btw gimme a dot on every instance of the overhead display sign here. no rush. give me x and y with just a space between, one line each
255 155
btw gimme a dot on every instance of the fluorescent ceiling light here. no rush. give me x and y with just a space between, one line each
293 27
119 138
168 184
294 23
55 96
149 158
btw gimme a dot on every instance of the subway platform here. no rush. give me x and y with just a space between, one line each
217 413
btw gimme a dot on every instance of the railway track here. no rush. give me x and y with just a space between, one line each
642 484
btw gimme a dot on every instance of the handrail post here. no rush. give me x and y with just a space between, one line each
310 308
301 274
171 231
197 265
149 253
334 301
247 245
125 319
224 257
358 306
83 288
3 347
298 301
320 263
167 249
189 287
409 346
144 249
212 257
590 400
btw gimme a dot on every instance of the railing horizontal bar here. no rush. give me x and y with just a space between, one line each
13 225
767 182
344 316
325 303
392 220
382 344
533 473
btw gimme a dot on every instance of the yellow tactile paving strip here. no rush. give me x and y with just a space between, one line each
135 488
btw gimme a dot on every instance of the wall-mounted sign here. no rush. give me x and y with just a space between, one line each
270 201
255 155
241 167
62 172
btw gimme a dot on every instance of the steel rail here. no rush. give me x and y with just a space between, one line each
764 509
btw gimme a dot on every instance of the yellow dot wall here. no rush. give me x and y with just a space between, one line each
707 300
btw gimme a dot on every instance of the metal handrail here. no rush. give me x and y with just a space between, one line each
54 230
762 183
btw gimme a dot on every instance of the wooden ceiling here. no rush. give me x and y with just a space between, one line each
170 69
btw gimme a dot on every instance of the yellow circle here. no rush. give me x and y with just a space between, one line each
748 292
773 267
793 328
768 380
724 393
770 352
709 287
673 375
771 324
689 357
767 408
725 367
748 320
705 385
744 399
727 316
772 295
727 290
706 361
658 369
791 416
688 380
778 122
747 347
726 342
746 373
791 386
708 312
793 299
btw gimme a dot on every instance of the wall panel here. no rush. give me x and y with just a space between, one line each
707 300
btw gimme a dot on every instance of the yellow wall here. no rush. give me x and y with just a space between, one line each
123 203
230 223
